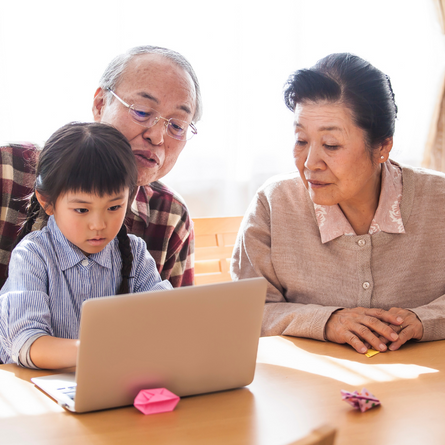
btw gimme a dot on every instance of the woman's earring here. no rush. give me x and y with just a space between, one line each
382 157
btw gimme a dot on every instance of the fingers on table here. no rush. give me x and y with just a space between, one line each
381 328
409 330
411 327
367 341
361 331
365 328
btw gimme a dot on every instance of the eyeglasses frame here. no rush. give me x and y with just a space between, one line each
158 118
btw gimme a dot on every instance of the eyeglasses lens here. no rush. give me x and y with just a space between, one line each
148 117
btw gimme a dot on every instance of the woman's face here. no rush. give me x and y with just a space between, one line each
331 155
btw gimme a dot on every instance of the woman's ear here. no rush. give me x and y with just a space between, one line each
44 203
385 149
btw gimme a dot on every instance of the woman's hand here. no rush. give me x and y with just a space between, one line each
411 327
361 327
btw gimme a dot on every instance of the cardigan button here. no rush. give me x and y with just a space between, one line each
366 285
361 242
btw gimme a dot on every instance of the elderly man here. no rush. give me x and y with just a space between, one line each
152 96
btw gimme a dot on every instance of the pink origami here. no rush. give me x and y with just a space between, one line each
362 401
157 400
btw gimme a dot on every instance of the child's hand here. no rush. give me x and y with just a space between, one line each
54 353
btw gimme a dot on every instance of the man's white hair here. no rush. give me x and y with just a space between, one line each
113 74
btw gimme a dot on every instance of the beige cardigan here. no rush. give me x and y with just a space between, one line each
279 239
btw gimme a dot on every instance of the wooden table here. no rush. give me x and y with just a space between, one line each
296 389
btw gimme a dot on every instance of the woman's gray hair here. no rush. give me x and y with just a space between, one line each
113 74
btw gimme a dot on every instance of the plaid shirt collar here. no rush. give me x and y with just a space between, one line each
140 206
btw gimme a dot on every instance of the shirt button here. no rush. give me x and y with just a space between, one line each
361 242
85 262
366 285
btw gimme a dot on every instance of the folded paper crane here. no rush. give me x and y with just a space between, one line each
362 401
157 400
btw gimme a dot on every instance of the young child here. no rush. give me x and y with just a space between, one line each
86 175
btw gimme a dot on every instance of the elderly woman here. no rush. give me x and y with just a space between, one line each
353 244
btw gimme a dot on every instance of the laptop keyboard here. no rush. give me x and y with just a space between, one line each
69 391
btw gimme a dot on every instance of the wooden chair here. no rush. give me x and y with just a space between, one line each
325 435
214 241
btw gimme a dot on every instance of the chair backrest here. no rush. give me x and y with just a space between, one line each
325 435
214 241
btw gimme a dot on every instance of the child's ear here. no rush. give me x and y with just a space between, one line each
44 203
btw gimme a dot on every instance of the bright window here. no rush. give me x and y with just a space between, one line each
52 56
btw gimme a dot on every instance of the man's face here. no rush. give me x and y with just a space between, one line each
153 81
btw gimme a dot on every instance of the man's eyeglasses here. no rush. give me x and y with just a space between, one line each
149 117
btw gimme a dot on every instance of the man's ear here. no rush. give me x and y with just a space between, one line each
132 194
49 210
98 104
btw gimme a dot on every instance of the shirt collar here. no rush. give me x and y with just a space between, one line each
69 255
140 205
333 223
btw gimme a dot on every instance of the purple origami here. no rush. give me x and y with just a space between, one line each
157 400
362 401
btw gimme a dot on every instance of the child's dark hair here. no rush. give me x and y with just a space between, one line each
90 158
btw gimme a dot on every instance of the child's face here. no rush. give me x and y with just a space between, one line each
90 221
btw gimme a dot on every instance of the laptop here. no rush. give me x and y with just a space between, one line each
191 340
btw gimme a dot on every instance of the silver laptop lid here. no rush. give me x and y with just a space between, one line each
189 340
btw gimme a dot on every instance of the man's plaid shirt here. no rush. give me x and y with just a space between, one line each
158 215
